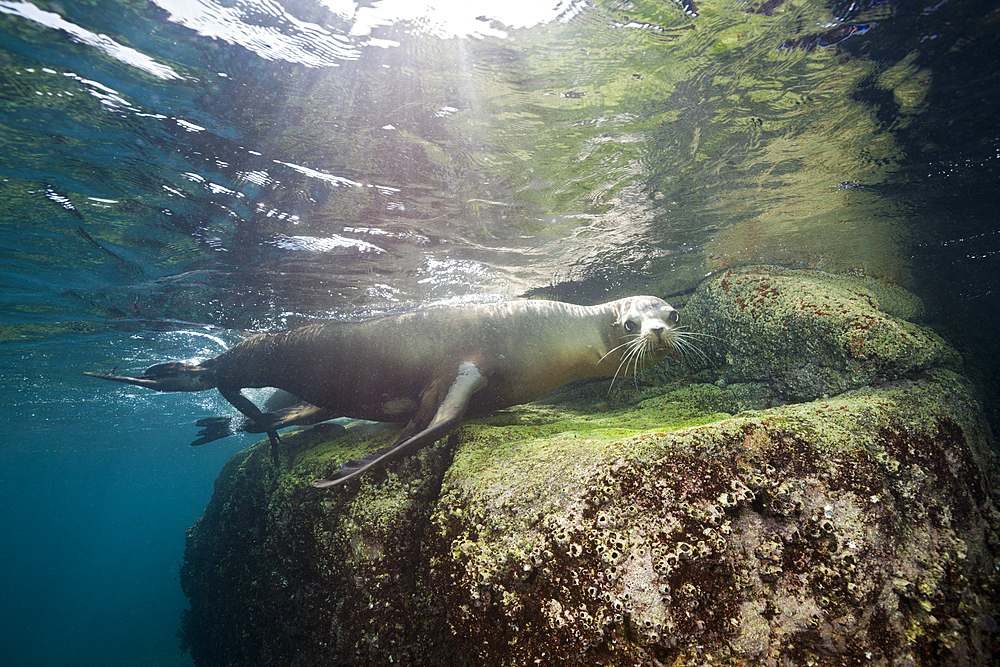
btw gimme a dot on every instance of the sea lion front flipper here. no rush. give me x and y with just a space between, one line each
447 416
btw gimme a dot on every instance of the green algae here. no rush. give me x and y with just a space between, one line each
535 427
540 526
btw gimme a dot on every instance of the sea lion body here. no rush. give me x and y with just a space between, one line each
430 367
378 370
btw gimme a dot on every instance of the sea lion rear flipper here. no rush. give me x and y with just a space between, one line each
300 414
265 422
214 428
447 416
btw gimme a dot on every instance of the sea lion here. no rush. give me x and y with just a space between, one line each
429 367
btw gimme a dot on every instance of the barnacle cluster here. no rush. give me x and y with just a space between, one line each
674 547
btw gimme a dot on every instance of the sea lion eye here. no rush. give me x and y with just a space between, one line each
629 325
674 317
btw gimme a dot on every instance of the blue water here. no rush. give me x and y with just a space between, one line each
97 488
174 175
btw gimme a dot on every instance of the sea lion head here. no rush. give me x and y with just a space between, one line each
646 329
648 326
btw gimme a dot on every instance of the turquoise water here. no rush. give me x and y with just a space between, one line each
97 490
174 175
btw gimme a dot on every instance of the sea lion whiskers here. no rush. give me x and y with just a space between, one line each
636 351
626 355
609 352
686 347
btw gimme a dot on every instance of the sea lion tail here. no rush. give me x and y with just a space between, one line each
170 376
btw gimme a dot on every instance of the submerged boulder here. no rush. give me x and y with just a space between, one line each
804 335
858 528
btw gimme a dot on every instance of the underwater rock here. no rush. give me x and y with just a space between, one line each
806 334
858 529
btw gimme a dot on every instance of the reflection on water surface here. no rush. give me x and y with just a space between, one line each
328 158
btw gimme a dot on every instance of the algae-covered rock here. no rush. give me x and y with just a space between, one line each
807 334
856 529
